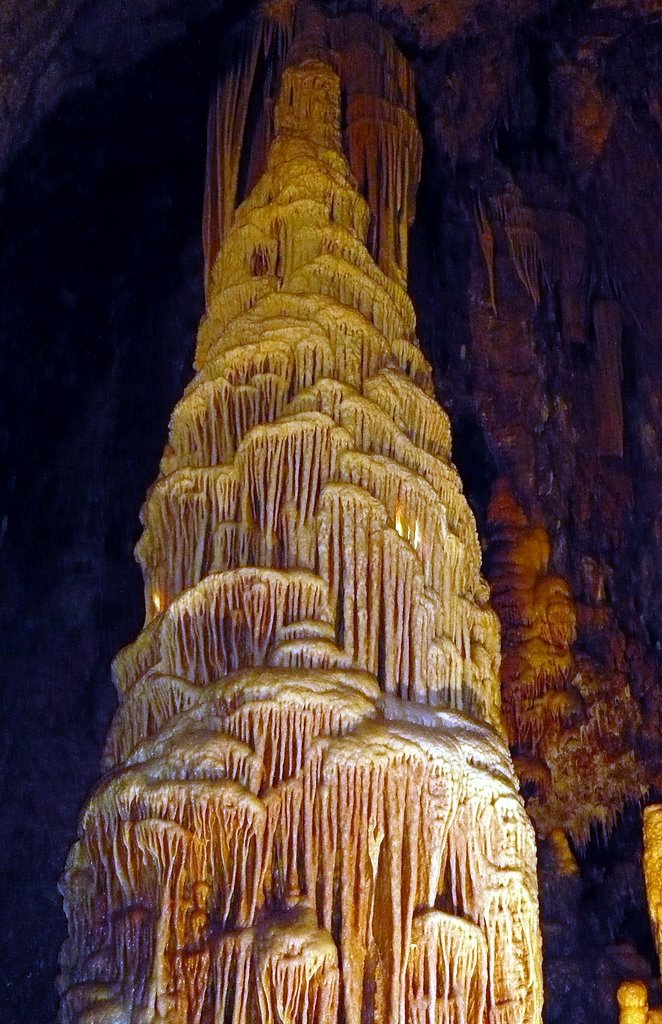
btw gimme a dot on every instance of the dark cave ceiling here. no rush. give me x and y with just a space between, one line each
49 50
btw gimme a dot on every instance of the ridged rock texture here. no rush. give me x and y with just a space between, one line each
309 811
570 721
571 667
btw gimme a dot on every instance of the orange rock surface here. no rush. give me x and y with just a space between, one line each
568 718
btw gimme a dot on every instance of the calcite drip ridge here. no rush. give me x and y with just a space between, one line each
309 812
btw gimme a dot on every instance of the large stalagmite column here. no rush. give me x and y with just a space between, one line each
309 813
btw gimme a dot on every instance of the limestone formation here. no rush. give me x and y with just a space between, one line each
653 869
309 812
632 996
569 719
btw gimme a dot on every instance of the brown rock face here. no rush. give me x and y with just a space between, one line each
309 812
571 720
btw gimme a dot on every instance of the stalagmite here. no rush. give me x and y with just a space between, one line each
228 117
653 869
526 252
632 996
309 813
632 1000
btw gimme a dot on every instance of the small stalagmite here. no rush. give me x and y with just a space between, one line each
309 812
632 995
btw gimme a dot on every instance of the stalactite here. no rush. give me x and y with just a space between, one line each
495 887
307 762
486 239
214 418
181 516
520 223
231 981
282 722
151 703
421 419
526 252
350 557
284 467
382 138
608 325
371 429
228 118
371 802
229 620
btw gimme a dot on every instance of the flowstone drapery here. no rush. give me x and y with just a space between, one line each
309 812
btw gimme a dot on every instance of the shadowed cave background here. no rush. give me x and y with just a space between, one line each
555 106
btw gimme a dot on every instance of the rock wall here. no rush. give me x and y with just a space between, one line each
545 356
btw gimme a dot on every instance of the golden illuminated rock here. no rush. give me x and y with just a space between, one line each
309 812
569 719
633 1007
565 861
632 998
653 869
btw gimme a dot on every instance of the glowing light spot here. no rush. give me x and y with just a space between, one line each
156 601
403 529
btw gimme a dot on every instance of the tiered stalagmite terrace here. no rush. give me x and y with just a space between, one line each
309 812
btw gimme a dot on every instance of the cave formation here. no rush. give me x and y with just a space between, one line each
309 812
533 265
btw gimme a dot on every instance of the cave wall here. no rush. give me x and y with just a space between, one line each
537 117
546 265
545 258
